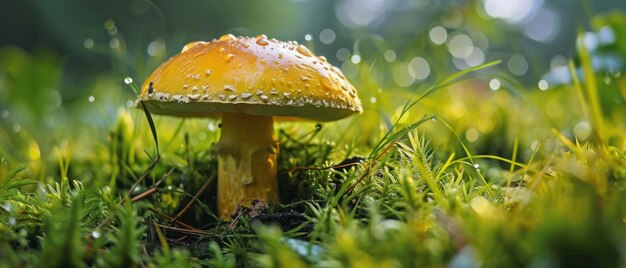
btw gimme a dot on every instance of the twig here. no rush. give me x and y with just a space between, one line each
177 221
143 177
193 200
184 231
152 189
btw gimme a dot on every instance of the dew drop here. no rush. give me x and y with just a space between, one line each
91 98
543 85
246 96
128 80
207 72
229 87
494 84
227 37
327 83
304 51
95 234
212 127
232 97
191 45
262 42
355 59
476 166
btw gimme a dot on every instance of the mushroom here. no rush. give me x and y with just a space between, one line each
249 83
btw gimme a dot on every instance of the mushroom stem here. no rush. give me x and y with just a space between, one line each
247 166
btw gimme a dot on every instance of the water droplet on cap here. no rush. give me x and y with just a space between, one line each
304 51
326 82
227 37
262 42
191 45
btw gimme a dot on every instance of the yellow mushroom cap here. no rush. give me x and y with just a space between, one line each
256 76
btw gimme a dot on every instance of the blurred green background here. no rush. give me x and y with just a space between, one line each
445 193
62 63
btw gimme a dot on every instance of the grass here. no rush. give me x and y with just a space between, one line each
419 191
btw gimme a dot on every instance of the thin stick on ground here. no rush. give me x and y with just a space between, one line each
194 199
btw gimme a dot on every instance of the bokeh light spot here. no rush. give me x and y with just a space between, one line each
471 135
460 46
517 65
438 35
327 36
419 68
494 84
390 55
342 54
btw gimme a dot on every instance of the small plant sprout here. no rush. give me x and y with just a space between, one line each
249 83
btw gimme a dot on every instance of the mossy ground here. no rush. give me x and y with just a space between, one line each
458 175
